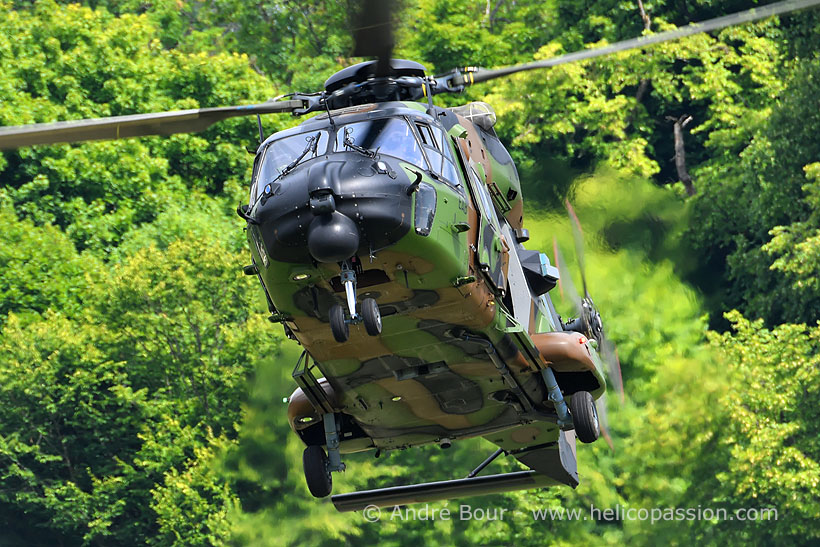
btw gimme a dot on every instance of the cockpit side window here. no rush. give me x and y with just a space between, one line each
438 152
390 136
255 179
426 135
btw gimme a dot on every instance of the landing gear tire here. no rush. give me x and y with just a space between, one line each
338 326
371 316
584 416
317 474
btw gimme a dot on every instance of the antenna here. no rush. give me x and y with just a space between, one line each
426 85
329 117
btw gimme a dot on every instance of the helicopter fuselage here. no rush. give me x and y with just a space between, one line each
424 206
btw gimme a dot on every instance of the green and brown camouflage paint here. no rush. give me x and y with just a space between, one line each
429 375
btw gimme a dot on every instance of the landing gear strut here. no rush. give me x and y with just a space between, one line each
370 315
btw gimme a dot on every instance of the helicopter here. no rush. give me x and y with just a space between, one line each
387 234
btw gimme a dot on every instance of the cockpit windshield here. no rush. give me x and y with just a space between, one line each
289 151
390 136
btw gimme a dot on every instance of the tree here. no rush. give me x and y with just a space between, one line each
103 415
39 268
67 62
735 242
771 437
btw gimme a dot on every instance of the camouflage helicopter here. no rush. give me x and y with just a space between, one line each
388 237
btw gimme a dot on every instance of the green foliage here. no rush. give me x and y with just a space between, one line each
298 44
797 245
770 443
39 268
141 387
108 420
65 62
450 34
195 506
185 311
194 216
581 114
66 410
770 185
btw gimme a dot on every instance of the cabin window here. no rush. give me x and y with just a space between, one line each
426 134
388 136
484 199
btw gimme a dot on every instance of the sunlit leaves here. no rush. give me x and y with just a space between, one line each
39 268
772 429
69 62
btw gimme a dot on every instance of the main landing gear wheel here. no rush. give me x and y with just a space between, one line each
338 325
371 316
317 473
584 416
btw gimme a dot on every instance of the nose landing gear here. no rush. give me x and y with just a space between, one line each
338 324
370 316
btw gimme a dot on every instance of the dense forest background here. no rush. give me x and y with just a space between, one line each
141 385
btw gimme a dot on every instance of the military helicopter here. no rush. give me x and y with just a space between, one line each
388 236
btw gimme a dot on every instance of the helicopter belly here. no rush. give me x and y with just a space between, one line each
429 375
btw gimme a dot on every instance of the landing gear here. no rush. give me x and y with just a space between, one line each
348 276
317 471
318 465
565 421
370 315
584 416
338 324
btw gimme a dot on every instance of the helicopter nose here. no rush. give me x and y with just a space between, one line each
331 209
332 237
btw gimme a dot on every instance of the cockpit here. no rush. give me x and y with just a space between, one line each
409 139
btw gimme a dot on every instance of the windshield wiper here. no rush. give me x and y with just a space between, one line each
348 143
312 143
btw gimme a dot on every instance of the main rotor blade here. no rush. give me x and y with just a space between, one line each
134 125
373 32
578 237
476 75
609 354
603 420
568 289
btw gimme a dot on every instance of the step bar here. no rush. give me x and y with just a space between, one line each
441 490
